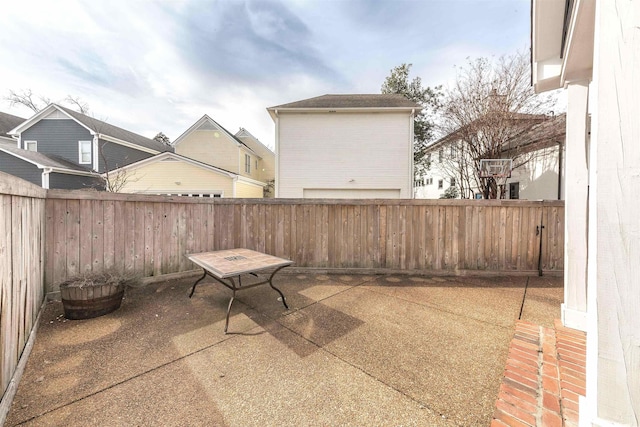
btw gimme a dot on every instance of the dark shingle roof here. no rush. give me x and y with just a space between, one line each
352 101
116 132
8 122
545 133
49 161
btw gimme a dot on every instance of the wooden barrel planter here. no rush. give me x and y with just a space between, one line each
92 295
91 301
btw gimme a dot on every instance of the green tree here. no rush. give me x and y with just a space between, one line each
428 98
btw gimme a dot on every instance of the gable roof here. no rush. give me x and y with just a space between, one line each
96 127
8 122
340 101
254 143
541 135
201 121
43 161
168 155
527 120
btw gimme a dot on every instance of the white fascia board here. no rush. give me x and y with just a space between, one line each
191 128
197 124
547 21
168 154
337 110
127 144
578 54
246 180
36 118
72 172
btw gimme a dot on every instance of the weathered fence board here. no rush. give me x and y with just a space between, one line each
22 232
150 234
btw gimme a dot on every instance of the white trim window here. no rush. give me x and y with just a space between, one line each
247 163
84 152
31 145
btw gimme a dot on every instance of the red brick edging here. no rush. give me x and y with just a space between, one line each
543 377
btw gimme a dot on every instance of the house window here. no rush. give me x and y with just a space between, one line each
453 182
85 152
440 184
453 151
256 164
514 190
429 161
440 155
247 163
31 145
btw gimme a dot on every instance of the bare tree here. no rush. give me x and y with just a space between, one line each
27 99
77 104
489 104
35 103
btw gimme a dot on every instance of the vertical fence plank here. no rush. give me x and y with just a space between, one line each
86 235
22 264
97 249
151 238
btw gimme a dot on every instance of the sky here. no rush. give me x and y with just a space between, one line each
150 66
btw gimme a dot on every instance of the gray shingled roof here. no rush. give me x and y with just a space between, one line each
547 132
352 101
49 161
116 132
8 122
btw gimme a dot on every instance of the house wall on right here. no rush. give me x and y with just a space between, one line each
592 49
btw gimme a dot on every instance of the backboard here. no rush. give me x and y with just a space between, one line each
495 168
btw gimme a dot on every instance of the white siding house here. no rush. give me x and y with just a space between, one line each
592 49
345 146
538 152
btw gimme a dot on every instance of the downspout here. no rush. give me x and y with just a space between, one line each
277 149
235 184
560 160
45 178
95 159
411 145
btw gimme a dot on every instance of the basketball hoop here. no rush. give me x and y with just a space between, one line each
495 168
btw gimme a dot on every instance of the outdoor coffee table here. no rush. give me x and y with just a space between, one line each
225 265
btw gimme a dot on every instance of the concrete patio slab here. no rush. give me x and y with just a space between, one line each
351 350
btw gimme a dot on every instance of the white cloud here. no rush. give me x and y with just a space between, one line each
159 66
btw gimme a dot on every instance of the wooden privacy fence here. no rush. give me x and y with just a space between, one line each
21 268
150 234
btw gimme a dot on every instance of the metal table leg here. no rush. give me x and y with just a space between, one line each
193 289
276 289
232 285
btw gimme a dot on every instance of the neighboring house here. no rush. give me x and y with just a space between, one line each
7 123
74 147
591 49
345 146
208 142
267 164
175 175
536 147
47 171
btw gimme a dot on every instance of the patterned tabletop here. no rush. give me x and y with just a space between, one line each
233 262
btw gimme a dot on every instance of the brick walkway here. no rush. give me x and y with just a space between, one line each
544 375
